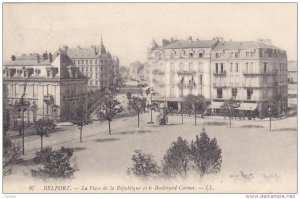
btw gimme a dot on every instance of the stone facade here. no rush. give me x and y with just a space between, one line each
52 85
97 64
251 72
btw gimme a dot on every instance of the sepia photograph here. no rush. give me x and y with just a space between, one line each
150 98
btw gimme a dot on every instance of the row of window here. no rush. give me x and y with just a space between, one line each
91 69
90 75
96 83
234 93
219 67
267 53
90 61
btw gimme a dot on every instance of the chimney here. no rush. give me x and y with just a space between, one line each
50 57
220 39
45 56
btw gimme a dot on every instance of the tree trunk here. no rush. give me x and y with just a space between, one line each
81 134
138 120
109 131
41 143
181 113
195 118
270 124
23 135
230 121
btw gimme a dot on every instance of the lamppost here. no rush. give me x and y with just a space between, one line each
181 84
270 116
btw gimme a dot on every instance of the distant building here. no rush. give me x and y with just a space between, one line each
252 72
292 72
97 64
54 86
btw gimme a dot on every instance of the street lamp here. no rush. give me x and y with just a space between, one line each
269 111
181 84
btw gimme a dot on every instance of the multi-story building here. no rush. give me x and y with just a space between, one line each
180 68
97 64
52 85
251 72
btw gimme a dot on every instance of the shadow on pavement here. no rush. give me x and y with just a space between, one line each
107 139
252 126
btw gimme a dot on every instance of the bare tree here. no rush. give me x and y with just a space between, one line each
108 109
176 160
81 117
229 107
206 154
42 127
138 105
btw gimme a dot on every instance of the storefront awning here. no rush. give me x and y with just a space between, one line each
247 106
167 99
216 105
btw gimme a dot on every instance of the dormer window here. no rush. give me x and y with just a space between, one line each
37 71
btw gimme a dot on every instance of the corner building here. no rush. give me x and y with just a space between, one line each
53 86
180 68
252 72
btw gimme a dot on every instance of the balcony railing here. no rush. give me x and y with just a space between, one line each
221 73
259 73
181 72
186 85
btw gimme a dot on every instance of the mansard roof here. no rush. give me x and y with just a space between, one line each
236 45
192 44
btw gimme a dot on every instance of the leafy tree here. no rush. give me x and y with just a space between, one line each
229 107
11 153
81 117
176 160
42 127
138 105
55 164
5 110
206 154
196 104
144 165
108 109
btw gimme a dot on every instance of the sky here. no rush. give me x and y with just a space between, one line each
128 28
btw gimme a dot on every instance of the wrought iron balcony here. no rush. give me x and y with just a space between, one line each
221 73
182 72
